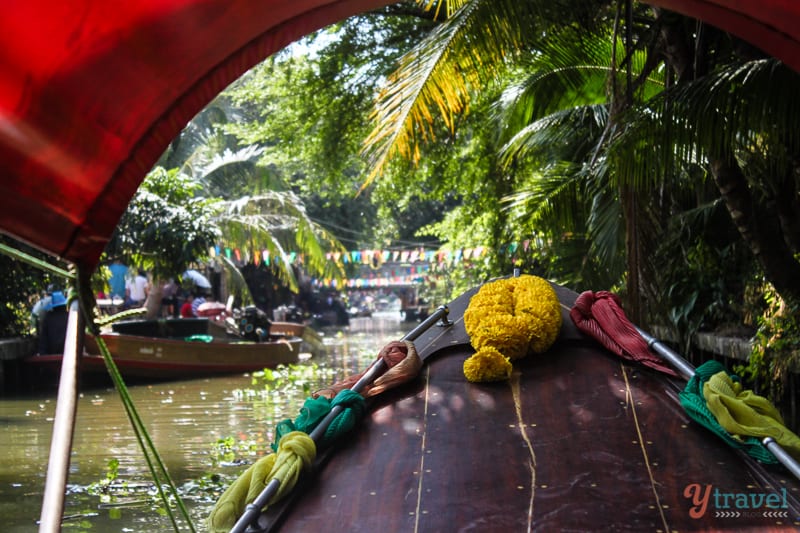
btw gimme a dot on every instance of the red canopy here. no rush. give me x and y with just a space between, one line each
92 91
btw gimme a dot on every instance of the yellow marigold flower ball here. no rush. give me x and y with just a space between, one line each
487 364
538 303
514 316
504 332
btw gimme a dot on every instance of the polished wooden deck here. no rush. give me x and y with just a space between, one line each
576 441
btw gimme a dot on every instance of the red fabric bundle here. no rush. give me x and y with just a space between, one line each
600 315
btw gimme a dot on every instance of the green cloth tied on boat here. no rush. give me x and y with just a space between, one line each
199 338
315 409
295 453
746 413
734 406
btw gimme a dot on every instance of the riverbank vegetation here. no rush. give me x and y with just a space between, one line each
630 148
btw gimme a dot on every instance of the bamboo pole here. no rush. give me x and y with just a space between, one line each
63 424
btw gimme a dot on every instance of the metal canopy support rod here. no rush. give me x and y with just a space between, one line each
63 424
683 367
378 367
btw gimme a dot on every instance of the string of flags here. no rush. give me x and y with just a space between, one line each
388 267
375 258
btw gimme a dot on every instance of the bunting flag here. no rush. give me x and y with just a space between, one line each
378 258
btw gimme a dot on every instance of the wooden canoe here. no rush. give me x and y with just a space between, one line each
313 342
577 440
158 350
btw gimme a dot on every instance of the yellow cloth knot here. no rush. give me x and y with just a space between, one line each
745 413
296 451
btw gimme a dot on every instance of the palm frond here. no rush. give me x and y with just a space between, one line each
277 221
435 79
237 285
743 107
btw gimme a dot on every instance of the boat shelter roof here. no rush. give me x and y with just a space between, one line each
92 92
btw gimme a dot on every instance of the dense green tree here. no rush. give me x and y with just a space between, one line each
307 108
164 230
22 286
479 44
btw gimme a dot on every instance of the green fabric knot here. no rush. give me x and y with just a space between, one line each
296 452
315 409
353 408
707 414
746 413
311 414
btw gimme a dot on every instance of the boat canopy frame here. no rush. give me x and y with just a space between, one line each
92 93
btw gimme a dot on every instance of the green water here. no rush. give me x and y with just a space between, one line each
185 419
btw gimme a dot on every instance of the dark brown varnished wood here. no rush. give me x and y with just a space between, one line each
576 441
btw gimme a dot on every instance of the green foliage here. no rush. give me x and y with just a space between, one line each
22 285
165 228
109 486
293 379
776 347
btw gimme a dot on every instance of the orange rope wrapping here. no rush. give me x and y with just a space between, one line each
404 365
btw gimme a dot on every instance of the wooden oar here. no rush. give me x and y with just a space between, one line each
687 371
378 367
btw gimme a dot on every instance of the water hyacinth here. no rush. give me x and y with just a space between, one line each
511 318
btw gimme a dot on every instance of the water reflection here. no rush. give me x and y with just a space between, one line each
186 420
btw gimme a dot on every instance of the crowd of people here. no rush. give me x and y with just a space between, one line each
127 289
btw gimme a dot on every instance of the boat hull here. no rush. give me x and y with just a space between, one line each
313 342
155 358
576 440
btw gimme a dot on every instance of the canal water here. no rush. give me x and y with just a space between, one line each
206 431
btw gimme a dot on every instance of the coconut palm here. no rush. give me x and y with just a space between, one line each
253 216
480 41
243 207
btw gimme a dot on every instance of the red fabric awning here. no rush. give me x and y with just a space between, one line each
92 92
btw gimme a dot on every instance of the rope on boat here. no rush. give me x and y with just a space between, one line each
240 505
295 451
155 463
712 397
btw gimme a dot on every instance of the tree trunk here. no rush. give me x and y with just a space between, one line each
153 302
762 234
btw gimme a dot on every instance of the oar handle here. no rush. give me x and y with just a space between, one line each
687 371
378 367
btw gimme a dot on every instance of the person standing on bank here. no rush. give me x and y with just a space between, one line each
53 329
40 309
137 289
116 282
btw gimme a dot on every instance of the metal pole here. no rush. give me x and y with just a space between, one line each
683 367
63 425
378 367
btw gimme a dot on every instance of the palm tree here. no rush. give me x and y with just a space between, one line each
243 206
480 42
255 211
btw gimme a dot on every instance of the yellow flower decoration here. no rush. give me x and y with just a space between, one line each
487 364
507 319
